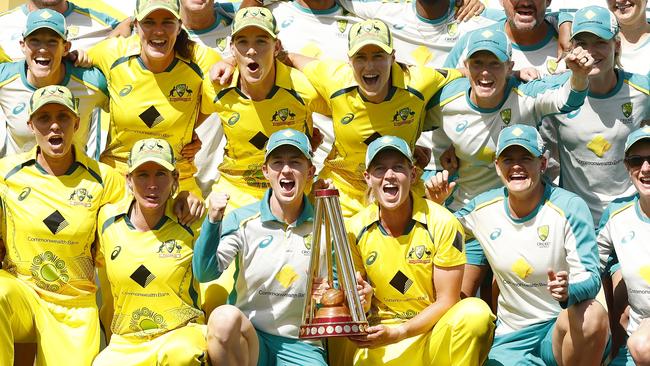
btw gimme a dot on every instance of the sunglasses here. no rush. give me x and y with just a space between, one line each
636 161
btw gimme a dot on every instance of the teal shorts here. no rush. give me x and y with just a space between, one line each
532 345
623 358
281 351
474 253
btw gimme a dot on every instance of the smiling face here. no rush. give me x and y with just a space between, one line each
638 166
389 177
628 12
603 51
44 49
152 185
520 171
53 126
288 172
372 67
255 50
158 32
525 15
488 77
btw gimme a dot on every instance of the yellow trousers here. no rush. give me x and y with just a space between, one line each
185 346
462 337
64 335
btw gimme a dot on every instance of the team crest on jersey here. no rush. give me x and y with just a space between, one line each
542 232
49 271
221 44
254 178
125 90
307 241
452 29
342 25
627 109
419 254
347 118
73 31
24 193
233 119
180 93
403 116
506 115
81 197
371 258
282 117
169 248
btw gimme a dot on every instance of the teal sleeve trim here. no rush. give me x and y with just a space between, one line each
564 16
454 88
92 76
581 222
204 261
474 253
10 69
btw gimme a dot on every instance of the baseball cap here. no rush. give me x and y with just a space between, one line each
146 7
289 137
596 20
152 150
255 16
521 135
493 41
56 94
46 18
385 143
642 133
371 31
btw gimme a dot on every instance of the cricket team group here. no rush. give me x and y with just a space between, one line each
159 171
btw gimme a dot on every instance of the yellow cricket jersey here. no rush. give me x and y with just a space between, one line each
400 269
144 104
49 223
151 284
358 122
248 124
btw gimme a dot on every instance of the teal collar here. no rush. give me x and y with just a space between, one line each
266 215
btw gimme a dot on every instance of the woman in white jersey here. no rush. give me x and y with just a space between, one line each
471 112
623 239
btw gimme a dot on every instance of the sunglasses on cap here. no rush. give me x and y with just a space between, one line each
636 161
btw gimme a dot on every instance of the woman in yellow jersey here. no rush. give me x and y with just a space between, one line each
371 96
411 250
154 80
263 97
50 199
146 255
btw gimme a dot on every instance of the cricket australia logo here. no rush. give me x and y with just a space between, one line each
81 197
627 109
419 254
506 115
342 25
403 116
180 93
542 234
452 29
169 248
283 116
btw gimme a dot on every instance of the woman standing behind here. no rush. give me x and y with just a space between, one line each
147 255
154 81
